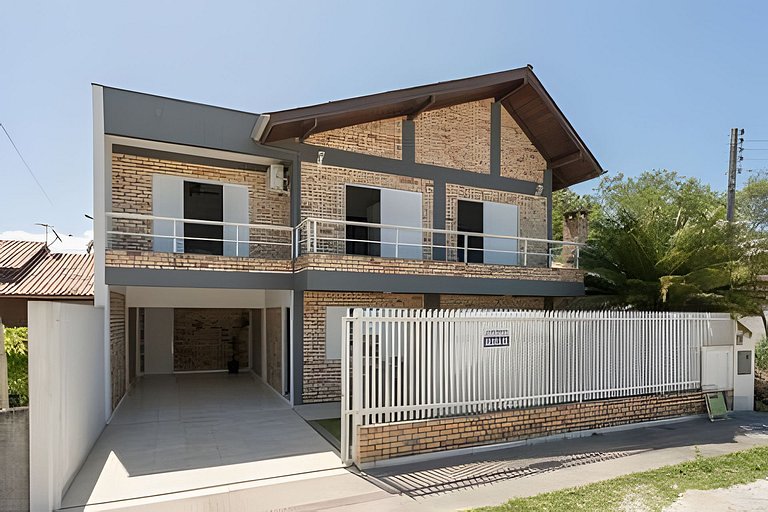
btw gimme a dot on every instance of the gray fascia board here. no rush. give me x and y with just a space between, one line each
175 278
323 280
340 158
148 117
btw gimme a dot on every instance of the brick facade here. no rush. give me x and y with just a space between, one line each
132 193
519 157
490 302
121 258
322 377
378 138
380 442
458 137
532 215
379 265
117 346
274 341
202 338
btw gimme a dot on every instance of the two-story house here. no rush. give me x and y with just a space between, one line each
222 234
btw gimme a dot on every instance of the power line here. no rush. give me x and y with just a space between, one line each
26 164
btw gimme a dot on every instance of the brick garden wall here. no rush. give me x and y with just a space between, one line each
117 346
322 377
380 442
379 138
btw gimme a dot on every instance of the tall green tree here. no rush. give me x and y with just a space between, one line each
752 202
662 243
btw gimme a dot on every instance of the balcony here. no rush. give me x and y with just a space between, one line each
323 244
149 241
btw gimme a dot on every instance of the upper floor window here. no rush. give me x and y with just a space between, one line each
220 208
383 222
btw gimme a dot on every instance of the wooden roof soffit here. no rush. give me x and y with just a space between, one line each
424 106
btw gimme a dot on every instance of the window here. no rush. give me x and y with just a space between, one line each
179 202
203 201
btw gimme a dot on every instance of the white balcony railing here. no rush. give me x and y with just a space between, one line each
350 237
168 234
153 233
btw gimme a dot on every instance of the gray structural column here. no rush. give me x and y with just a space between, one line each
409 141
496 138
438 218
547 192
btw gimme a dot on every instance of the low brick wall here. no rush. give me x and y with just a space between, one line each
14 459
379 265
120 258
380 442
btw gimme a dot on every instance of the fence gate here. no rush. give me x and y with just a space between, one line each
402 365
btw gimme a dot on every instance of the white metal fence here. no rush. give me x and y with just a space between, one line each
402 365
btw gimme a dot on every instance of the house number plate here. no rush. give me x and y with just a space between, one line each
496 338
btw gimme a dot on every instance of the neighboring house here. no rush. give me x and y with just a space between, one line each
30 271
221 231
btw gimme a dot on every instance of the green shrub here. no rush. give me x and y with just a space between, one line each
18 374
761 355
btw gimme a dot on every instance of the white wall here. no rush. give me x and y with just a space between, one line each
158 340
66 395
151 297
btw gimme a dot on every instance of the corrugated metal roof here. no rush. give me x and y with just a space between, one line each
14 254
47 274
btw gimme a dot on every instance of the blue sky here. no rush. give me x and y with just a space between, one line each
647 84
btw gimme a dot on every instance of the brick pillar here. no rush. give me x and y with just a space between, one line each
575 229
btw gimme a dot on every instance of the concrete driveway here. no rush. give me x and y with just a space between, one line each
192 433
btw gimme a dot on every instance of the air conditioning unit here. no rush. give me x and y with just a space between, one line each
277 179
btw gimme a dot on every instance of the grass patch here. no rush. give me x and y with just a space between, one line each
650 490
332 426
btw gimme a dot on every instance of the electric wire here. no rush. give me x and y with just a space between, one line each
40 186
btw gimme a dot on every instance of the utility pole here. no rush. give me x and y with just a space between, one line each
732 169
732 175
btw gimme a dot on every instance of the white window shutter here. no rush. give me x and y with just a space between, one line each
401 208
500 219
168 201
236 210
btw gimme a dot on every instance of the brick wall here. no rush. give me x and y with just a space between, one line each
202 338
323 195
378 265
132 193
378 138
519 157
458 137
379 442
490 302
322 377
117 346
121 258
532 215
274 340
